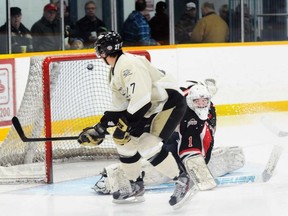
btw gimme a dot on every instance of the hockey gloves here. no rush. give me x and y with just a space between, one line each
121 134
92 136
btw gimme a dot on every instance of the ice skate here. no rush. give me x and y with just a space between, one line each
185 189
133 194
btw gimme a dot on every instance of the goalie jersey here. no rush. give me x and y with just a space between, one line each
136 83
196 135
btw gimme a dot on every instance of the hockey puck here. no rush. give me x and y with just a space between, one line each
90 66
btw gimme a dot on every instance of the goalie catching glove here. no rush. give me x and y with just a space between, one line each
92 136
121 134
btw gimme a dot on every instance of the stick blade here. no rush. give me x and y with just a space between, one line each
272 163
18 127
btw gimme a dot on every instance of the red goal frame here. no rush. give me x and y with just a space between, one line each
47 105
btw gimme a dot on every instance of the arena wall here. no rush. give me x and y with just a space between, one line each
250 77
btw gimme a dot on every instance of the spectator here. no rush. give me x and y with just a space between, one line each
159 24
211 28
90 25
46 32
224 13
76 44
186 24
20 35
147 15
136 30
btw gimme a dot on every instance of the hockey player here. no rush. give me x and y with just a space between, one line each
146 107
195 139
196 118
196 135
195 144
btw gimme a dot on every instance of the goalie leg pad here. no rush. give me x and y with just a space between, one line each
198 170
225 160
102 186
113 179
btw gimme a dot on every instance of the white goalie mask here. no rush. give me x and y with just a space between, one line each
198 99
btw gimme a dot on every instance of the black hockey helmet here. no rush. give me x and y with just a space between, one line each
108 43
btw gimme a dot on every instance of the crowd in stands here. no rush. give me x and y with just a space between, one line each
186 24
138 29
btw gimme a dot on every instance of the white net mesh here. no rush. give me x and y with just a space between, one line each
79 94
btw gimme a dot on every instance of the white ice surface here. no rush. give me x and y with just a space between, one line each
71 195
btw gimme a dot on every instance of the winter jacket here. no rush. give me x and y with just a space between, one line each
210 29
46 35
19 37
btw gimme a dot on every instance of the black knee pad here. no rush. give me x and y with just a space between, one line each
132 159
157 159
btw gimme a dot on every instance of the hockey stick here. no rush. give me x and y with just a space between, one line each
272 163
238 179
19 129
276 152
222 181
274 129
264 176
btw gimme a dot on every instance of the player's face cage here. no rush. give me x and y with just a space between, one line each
201 102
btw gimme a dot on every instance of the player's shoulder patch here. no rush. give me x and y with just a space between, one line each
126 73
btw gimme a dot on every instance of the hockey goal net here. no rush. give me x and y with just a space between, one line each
63 95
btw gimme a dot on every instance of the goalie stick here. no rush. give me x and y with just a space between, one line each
238 179
264 176
19 129
277 149
271 164
273 128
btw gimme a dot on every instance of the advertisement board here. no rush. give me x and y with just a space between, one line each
7 91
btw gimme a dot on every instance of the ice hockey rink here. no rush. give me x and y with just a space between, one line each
71 193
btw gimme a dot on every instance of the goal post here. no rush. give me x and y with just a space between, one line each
63 95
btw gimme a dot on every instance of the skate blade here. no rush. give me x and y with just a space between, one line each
186 198
137 199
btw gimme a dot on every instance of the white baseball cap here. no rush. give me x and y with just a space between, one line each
190 5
